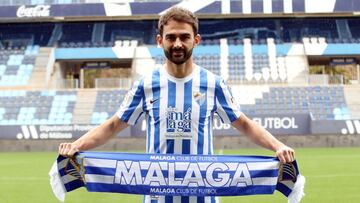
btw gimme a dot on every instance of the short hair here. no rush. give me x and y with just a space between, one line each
178 14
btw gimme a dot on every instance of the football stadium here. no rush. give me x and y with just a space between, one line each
293 67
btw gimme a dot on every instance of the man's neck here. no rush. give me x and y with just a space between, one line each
179 71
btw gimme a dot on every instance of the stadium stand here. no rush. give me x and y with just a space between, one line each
322 102
281 30
65 66
263 58
207 55
259 63
50 107
16 65
106 104
248 53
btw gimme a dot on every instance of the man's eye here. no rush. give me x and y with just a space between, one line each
186 37
170 38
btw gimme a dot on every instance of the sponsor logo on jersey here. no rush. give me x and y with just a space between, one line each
178 123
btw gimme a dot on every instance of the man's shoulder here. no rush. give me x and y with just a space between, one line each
208 72
150 76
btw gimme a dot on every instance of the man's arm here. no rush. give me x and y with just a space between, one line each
262 137
95 137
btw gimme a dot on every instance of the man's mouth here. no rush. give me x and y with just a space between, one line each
178 53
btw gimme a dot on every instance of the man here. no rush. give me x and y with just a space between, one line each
179 101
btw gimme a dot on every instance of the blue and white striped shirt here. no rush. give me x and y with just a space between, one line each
179 114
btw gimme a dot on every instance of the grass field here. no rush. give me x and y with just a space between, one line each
332 175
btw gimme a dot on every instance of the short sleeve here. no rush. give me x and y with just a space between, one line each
132 105
226 105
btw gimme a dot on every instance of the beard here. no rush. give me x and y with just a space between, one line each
178 55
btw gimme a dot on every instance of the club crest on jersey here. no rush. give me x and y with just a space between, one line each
178 122
199 97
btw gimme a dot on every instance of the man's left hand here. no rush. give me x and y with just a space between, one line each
285 154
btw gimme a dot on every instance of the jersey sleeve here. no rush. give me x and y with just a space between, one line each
226 105
132 106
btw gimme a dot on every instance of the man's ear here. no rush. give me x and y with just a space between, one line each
159 40
197 40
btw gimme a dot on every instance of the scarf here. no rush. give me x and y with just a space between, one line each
176 175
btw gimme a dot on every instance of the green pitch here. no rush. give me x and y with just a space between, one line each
332 176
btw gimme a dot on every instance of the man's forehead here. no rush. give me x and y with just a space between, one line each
177 33
175 27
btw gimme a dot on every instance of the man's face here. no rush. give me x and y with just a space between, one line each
178 41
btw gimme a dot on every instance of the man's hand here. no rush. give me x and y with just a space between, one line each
285 154
68 149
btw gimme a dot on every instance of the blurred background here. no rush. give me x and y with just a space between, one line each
293 65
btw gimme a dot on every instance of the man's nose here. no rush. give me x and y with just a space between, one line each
178 42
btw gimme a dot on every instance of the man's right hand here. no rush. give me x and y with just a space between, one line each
68 149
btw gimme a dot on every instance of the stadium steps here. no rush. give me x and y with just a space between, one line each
38 77
297 69
353 100
84 106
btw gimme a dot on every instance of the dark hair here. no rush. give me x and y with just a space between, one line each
181 15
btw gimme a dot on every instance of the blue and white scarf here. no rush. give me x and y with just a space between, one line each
176 175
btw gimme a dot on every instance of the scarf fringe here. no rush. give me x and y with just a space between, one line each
298 190
56 183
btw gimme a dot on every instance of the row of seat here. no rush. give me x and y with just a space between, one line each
57 107
322 102
212 30
37 107
85 44
17 64
319 101
106 104
329 40
82 44
258 67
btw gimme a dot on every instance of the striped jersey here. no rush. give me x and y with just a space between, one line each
179 114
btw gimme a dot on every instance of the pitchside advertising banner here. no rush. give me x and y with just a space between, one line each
35 132
344 127
299 124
